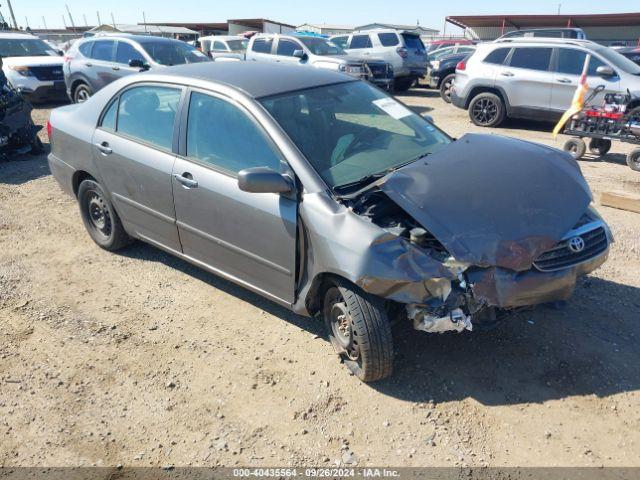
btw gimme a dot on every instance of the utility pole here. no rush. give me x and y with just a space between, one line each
559 8
84 17
64 21
113 21
144 19
44 22
13 17
26 20
99 21
73 25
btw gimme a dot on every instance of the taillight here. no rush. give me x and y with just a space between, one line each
461 65
49 130
67 58
402 52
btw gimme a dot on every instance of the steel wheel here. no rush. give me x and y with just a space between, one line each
82 94
445 88
345 336
99 215
484 111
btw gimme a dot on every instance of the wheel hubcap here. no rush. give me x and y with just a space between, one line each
99 214
342 329
484 111
82 95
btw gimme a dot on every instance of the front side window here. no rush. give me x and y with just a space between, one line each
571 62
321 46
340 41
352 130
217 45
125 52
85 49
287 47
102 50
388 39
238 45
226 137
262 45
147 113
531 58
173 53
360 41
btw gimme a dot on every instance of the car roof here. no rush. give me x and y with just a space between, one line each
257 79
543 40
130 36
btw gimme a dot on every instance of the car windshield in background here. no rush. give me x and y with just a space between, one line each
25 48
618 60
173 53
413 42
352 131
320 46
238 45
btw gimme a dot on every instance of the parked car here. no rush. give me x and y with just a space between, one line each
536 78
442 73
404 51
576 33
442 52
307 186
451 42
224 47
317 52
632 53
94 62
32 67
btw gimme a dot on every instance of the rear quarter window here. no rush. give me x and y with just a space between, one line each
85 49
498 56
413 42
360 41
388 39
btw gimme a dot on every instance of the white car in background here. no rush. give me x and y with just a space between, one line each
32 67
224 47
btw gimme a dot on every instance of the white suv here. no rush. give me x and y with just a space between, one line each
32 67
536 78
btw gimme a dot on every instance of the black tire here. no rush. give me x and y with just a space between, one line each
359 330
599 146
633 159
445 87
575 147
487 110
403 84
36 146
100 218
82 93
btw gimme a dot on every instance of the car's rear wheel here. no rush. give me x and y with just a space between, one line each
445 87
359 331
633 159
37 148
82 93
99 217
487 110
403 84
575 147
599 146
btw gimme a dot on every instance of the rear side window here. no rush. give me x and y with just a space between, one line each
147 113
287 47
388 39
102 50
531 58
85 49
125 53
224 136
413 42
217 45
360 41
497 56
262 45
340 41
571 62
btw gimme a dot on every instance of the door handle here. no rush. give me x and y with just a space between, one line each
185 180
104 148
564 80
507 74
116 68
89 64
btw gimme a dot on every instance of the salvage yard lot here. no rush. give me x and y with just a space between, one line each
139 358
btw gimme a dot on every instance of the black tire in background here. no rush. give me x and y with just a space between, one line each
403 84
575 147
82 93
633 159
100 218
599 146
487 110
445 87
36 146
359 330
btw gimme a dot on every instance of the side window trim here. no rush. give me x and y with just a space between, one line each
184 120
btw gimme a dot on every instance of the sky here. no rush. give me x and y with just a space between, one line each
352 12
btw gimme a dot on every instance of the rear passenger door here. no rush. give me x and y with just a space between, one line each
133 150
100 69
527 80
249 237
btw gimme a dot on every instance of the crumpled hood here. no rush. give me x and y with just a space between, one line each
492 200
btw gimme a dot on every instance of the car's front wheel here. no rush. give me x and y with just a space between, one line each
99 217
445 87
359 331
82 93
633 159
487 110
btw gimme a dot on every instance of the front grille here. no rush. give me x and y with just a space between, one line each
48 72
562 256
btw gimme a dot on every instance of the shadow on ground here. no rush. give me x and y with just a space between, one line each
20 169
588 348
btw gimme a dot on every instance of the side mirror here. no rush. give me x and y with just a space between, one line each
300 54
263 180
605 72
137 63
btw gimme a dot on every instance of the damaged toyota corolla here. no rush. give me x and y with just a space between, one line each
326 195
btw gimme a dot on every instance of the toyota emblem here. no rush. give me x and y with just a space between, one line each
576 244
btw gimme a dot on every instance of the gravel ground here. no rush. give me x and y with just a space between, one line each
141 359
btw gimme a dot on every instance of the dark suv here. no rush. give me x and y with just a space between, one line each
92 63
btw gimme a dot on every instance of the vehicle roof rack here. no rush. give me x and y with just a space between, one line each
561 41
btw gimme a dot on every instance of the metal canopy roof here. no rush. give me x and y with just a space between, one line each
539 21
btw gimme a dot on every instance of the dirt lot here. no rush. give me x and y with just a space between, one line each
141 359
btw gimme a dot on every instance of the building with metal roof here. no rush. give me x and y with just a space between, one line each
420 30
325 28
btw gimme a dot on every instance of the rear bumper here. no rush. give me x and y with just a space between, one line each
457 101
62 172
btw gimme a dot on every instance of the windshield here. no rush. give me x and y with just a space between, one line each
25 48
173 53
618 60
238 45
320 46
352 130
